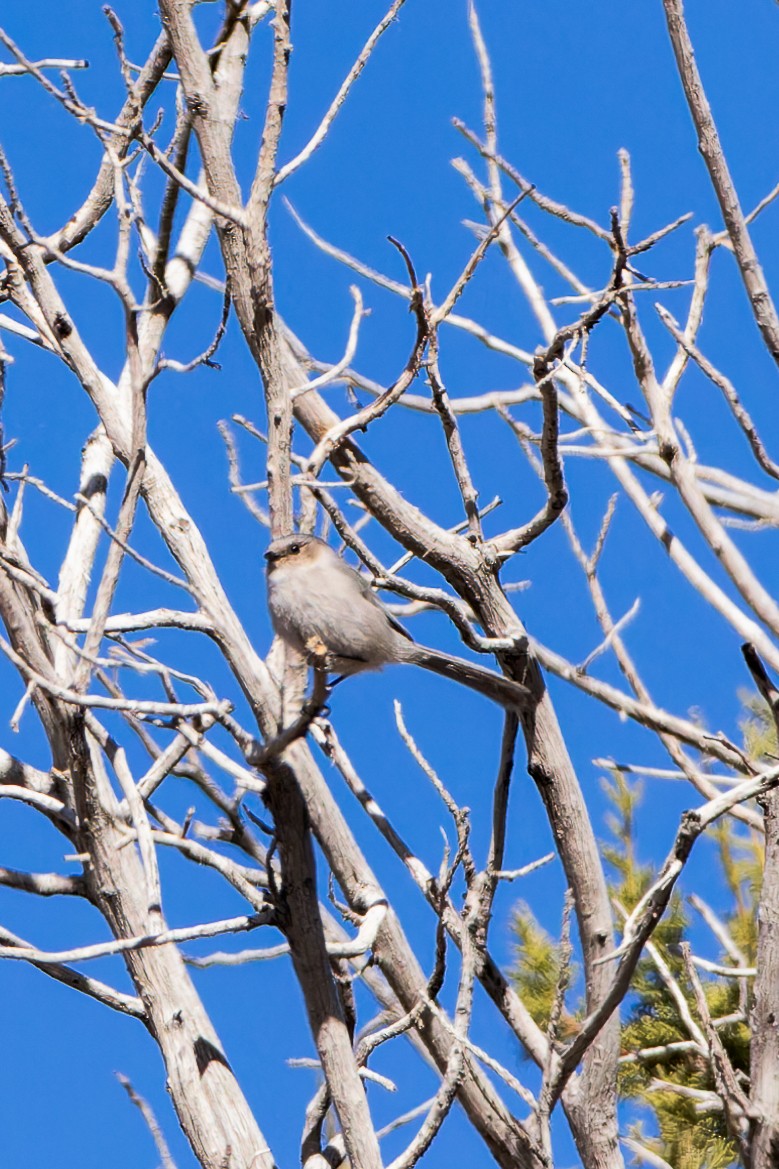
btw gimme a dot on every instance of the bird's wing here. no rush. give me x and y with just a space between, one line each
370 595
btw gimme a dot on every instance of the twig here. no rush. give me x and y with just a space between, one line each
740 413
559 210
275 108
230 925
645 1155
489 973
204 358
153 619
337 433
163 574
7 70
724 188
614 632
653 717
147 1113
298 728
334 371
468 492
737 1108
132 705
320 133
124 1003
647 914
444 309
239 958
43 884
456 812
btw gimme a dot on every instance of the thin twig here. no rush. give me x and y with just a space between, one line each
211 929
320 133
721 179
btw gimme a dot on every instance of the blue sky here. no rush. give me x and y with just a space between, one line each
575 83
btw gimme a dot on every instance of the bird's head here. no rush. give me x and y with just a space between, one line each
297 549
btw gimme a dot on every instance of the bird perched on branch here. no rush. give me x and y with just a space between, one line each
328 613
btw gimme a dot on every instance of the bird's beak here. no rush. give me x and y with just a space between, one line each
270 556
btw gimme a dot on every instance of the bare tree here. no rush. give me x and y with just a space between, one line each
123 718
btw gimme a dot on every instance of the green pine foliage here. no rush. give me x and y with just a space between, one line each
539 970
658 1056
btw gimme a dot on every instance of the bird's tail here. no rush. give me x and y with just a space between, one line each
495 686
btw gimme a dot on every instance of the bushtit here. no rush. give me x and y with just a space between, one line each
329 614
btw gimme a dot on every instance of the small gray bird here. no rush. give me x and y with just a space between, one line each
329 614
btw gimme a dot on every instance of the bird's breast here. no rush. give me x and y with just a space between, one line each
313 606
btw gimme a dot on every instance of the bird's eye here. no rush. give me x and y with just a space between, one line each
294 547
